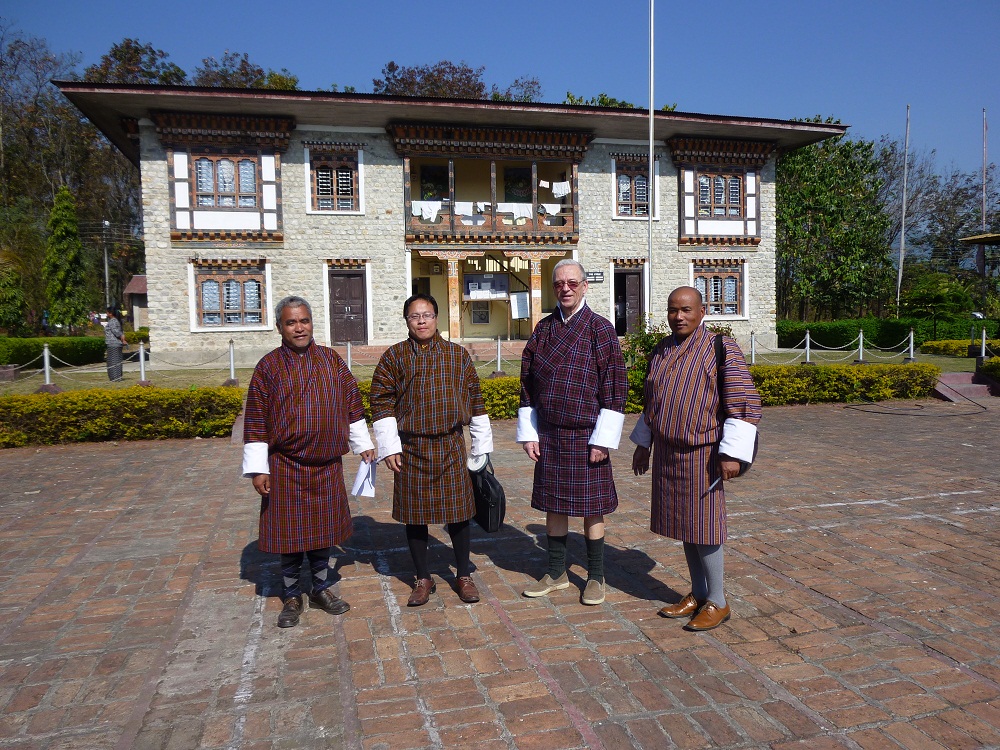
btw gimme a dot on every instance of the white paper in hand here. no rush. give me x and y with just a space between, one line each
364 482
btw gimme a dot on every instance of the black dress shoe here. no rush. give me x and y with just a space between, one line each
291 612
327 601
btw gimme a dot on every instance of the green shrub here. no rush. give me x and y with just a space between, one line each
991 367
878 332
134 337
129 414
73 350
798 384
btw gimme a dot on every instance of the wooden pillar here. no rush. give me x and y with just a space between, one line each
454 302
536 292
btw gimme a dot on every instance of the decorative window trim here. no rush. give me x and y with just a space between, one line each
223 270
716 274
225 223
707 203
635 166
334 156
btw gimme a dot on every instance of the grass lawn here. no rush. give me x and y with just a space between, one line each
95 376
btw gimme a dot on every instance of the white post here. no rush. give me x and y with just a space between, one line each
45 361
807 346
232 360
499 362
753 348
861 345
982 343
911 345
142 360
349 355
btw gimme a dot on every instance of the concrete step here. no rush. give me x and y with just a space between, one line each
959 386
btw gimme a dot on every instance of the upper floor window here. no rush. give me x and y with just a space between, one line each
632 194
721 286
720 196
225 183
335 179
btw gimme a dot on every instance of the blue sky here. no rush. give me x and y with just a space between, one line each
859 61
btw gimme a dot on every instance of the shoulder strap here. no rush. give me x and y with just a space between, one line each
720 370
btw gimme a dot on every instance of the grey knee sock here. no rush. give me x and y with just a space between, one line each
711 560
699 583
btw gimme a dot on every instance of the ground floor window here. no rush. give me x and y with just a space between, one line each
230 296
721 284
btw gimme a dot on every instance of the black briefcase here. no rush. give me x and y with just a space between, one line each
491 501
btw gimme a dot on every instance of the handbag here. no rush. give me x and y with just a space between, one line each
720 369
491 501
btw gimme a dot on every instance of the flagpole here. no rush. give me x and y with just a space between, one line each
902 228
650 185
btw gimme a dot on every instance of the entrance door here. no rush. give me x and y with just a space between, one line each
348 318
628 301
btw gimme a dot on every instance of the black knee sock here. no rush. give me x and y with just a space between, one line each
319 564
557 555
290 565
461 538
416 538
595 559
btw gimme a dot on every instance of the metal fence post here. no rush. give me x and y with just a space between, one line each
499 363
808 361
349 356
982 343
753 348
911 358
45 364
861 347
232 381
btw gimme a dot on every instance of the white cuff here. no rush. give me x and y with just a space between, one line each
482 435
255 459
641 433
387 437
359 439
527 425
738 439
608 430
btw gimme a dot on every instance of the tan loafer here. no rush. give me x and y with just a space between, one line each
709 616
547 584
684 608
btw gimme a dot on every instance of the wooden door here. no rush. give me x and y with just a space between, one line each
633 300
348 314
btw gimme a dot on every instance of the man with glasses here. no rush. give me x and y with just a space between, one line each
573 389
423 391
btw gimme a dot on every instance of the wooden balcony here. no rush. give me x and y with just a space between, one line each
500 223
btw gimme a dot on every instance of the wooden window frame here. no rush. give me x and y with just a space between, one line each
725 208
241 275
216 194
334 161
714 276
633 171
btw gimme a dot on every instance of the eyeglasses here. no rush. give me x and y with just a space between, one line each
567 284
417 317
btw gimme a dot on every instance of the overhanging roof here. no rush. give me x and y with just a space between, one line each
990 238
109 105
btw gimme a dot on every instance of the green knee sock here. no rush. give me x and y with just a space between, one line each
557 555
595 559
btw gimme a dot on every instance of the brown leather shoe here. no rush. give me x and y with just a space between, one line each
709 616
327 601
422 591
466 589
684 608
290 613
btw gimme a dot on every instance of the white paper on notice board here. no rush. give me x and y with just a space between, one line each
519 308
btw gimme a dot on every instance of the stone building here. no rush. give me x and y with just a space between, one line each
355 201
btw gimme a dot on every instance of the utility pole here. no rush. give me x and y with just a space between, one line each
107 278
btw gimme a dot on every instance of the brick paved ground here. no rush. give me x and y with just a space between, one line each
136 612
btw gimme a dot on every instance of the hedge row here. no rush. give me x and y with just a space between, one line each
127 414
73 350
956 348
879 332
153 413
991 368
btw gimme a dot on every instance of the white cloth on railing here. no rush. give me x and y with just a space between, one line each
426 210
552 208
560 189
520 210
464 208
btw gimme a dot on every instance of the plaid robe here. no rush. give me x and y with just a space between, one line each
682 409
302 407
569 372
432 390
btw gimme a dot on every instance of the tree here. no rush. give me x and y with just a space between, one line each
130 61
236 71
601 100
831 229
456 81
63 269
937 296
921 184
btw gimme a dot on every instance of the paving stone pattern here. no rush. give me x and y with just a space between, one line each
136 611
